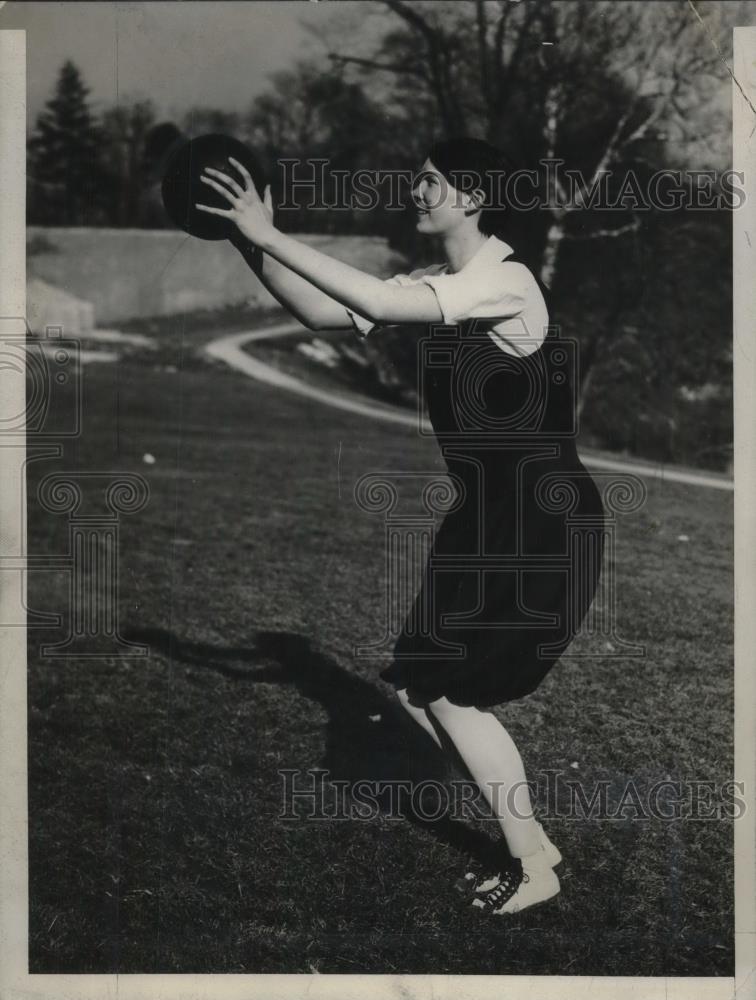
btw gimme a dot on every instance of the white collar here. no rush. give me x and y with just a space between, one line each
490 252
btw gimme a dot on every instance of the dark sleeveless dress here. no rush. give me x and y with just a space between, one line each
515 565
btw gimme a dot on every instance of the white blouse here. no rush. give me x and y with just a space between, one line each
504 297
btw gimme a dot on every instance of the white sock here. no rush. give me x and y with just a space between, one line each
535 863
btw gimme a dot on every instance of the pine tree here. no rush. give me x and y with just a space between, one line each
65 174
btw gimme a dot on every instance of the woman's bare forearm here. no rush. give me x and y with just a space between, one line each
377 300
329 289
307 303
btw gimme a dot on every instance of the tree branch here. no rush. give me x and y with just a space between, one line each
631 227
411 16
407 68
498 44
485 76
438 59
507 69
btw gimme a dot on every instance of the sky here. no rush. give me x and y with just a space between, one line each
216 54
212 53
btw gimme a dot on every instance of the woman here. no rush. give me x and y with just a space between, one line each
510 577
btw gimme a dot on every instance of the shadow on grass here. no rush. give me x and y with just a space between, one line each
356 749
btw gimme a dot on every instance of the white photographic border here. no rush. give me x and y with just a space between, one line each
15 981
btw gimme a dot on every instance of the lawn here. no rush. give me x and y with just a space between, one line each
156 841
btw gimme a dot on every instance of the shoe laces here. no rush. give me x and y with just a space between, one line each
510 881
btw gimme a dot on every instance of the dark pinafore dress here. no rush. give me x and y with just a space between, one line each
515 565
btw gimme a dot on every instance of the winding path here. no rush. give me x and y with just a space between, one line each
229 349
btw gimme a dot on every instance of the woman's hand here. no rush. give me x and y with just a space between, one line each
253 217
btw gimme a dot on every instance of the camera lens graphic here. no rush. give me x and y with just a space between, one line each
473 374
16 357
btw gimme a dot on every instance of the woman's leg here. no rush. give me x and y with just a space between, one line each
490 755
418 714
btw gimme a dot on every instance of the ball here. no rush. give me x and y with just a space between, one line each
182 188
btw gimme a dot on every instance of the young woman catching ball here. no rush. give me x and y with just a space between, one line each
511 575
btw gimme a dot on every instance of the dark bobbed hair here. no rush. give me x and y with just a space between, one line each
469 163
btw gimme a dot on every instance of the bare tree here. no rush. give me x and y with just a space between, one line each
125 131
201 120
670 69
596 86
662 58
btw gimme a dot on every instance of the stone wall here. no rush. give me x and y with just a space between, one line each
130 273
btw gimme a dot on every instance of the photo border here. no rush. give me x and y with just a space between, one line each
15 981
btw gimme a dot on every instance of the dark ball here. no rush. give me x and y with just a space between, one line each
182 188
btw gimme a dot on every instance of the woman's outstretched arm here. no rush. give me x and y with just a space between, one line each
306 303
371 297
362 293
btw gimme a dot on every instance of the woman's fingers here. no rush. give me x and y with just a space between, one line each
214 211
218 187
250 187
268 202
225 179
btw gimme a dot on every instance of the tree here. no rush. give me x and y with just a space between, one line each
311 114
159 143
200 120
65 166
528 74
591 85
126 129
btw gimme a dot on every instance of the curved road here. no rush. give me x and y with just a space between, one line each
229 349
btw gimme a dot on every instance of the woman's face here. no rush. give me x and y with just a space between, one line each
440 207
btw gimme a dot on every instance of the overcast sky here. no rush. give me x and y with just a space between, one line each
212 53
178 54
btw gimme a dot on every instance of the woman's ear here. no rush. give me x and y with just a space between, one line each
475 201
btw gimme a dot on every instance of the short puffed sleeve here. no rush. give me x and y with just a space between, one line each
496 291
364 326
504 295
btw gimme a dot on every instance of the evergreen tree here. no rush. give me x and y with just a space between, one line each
65 175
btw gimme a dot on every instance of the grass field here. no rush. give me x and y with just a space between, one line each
156 843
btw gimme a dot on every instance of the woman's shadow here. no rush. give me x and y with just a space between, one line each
368 737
